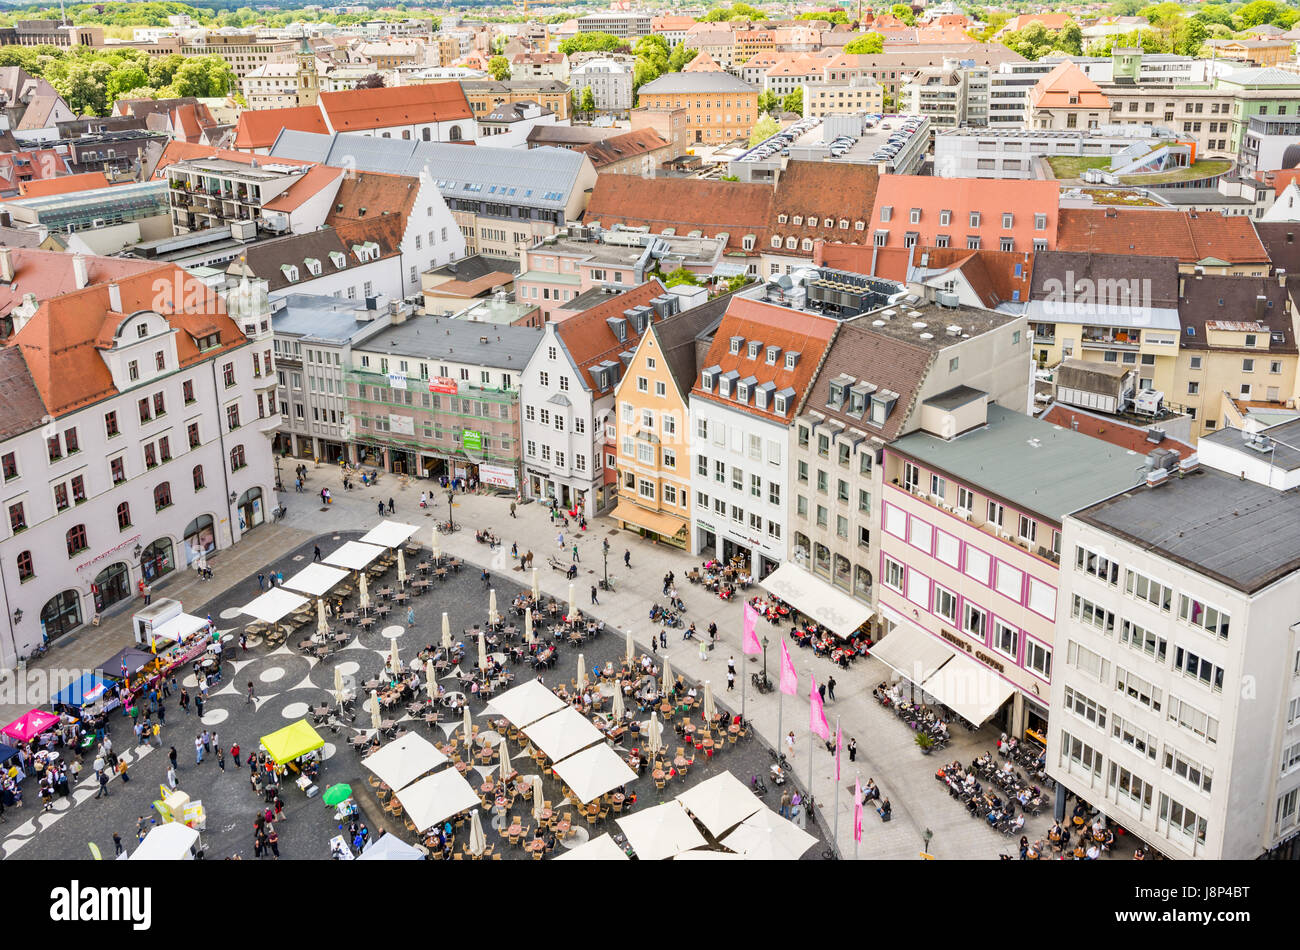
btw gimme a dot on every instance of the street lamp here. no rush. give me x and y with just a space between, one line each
766 641
604 548
926 837
451 494
279 485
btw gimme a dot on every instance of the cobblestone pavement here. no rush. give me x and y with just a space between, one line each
885 748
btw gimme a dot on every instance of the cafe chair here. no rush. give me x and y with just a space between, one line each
537 855
604 812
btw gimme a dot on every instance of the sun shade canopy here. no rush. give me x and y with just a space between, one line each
720 802
563 733
274 605
436 798
401 762
833 609
961 683
316 579
389 534
525 704
354 555
296 739
602 848
661 832
593 772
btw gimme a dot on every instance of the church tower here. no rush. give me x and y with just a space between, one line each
308 81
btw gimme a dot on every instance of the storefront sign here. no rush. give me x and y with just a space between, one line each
705 525
99 557
472 439
496 476
397 380
443 384
955 640
978 654
402 425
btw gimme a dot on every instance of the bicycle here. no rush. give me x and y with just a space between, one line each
448 527
761 683
830 855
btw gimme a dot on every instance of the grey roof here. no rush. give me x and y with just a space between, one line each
322 318
476 266
24 408
671 83
676 337
1240 533
955 397
509 175
1285 436
514 85
459 341
1032 465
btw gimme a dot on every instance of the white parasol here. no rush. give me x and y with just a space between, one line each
435 550
477 841
338 686
393 659
374 710
363 596
539 801
528 625
492 607
430 680
631 648
401 567
536 593
710 711
482 651
652 744
505 761
573 605
666 682
446 633
469 729
582 672
619 709
322 627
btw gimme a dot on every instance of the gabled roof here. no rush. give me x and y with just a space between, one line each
259 128
267 259
61 341
806 334
357 109
677 336
1244 301
177 151
693 82
1155 279
49 274
63 185
1190 236
24 409
823 190
364 196
620 147
1066 87
305 187
589 339
702 62
686 204
996 277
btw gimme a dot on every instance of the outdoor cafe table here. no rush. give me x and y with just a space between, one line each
537 844
349 617
385 592
321 710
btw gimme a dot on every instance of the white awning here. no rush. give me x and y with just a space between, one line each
720 803
168 842
704 854
274 605
178 628
829 606
436 798
602 848
766 836
563 733
354 555
401 762
391 848
962 683
663 831
593 772
316 579
525 704
389 534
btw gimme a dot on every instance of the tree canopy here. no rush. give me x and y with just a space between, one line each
867 43
592 42
499 68
764 128
1036 41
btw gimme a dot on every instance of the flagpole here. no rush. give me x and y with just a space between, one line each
856 836
810 742
742 682
836 835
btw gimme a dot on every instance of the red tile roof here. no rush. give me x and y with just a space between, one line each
621 147
702 62
404 105
807 334
31 165
49 274
177 151
590 340
308 185
61 342
63 185
1110 429
826 192
961 196
1066 87
686 204
258 128
1190 236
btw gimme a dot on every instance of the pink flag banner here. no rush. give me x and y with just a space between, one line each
751 644
816 715
789 679
857 809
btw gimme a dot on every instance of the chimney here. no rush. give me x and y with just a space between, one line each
1281 277
79 271
6 266
115 298
1261 303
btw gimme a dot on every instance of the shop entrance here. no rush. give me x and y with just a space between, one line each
111 585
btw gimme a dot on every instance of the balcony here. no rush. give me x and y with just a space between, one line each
1100 338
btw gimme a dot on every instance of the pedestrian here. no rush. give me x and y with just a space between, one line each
198 705
784 810
117 843
713 632
663 638
185 701
391 507
593 594
279 809
789 745
273 837
139 731
830 688
140 829
410 616
221 759
251 697
162 713
234 753
148 594
243 642
317 555
666 582
704 651
731 680
487 579
102 777
512 509
654 645
157 733
853 749
627 558
207 743
559 540
731 664
198 749
381 508
261 581
576 559
172 782
821 691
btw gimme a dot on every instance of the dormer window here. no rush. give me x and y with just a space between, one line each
797 220
772 352
844 224
781 403
747 242
776 240
736 343
290 272
836 395
338 259
753 348
812 221
806 244
742 392
313 266
791 242
781 218
791 359
886 212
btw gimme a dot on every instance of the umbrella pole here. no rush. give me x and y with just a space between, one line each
742 688
811 736
780 736
835 836
855 829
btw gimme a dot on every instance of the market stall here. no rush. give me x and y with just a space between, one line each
176 630
126 662
30 725
88 690
170 842
292 748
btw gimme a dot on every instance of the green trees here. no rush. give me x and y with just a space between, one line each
1163 15
1266 11
828 16
499 67
1035 41
767 101
793 101
587 102
591 42
680 57
764 128
1188 37
734 12
681 276
904 13
871 43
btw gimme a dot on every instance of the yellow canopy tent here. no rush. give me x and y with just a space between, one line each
285 745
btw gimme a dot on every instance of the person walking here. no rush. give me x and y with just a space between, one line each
117 843
666 583
157 733
731 664
559 540
512 509
261 581
704 652
821 691
576 559
207 743
789 745
784 810
243 642
251 698
171 756
410 616
627 558
830 688
316 555
663 639
221 759
593 594
198 749
731 680
391 507
273 841
148 595
234 753
487 579
102 777
172 782
853 749
381 508
198 705
184 701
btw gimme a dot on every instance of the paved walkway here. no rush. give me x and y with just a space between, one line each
886 750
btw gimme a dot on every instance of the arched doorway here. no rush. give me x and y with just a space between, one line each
111 585
455 134
200 537
157 559
250 509
61 613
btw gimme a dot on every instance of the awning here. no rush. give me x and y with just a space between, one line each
316 579
273 606
30 724
830 607
729 269
389 534
177 629
593 772
962 683
86 690
354 555
391 848
404 760
526 704
563 733
657 522
436 798
661 832
126 662
285 745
